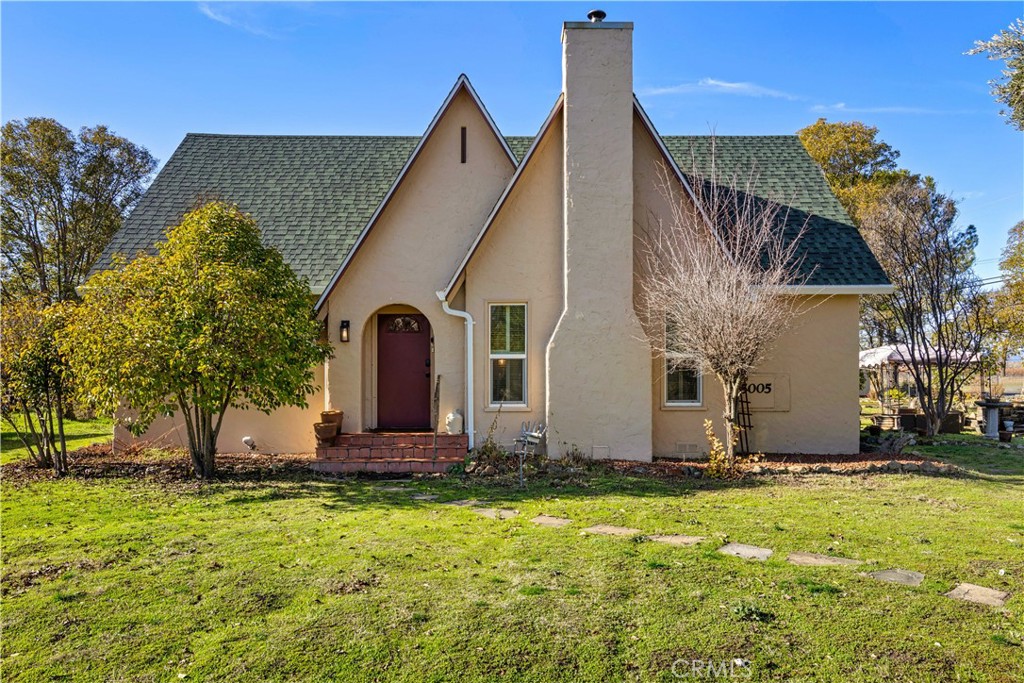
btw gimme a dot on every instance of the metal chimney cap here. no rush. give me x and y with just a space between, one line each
596 16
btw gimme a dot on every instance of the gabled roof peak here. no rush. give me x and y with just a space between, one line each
461 83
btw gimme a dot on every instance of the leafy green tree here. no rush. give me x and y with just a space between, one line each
214 320
1009 300
1007 45
36 377
64 197
847 152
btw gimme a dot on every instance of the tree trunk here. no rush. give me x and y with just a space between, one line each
63 451
731 387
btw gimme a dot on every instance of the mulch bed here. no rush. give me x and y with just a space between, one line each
99 461
856 463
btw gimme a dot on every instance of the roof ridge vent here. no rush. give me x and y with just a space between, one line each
596 16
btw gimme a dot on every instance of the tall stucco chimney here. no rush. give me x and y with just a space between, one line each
598 366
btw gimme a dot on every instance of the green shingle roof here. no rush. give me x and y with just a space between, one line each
313 195
834 253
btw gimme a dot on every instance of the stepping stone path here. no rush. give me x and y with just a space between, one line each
903 577
815 560
747 552
608 530
548 520
968 592
496 513
676 539
392 489
979 594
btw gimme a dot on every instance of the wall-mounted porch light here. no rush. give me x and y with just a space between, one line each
344 331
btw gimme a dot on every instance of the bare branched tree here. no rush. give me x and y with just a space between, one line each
712 280
937 309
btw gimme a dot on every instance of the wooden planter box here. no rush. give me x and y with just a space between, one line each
953 423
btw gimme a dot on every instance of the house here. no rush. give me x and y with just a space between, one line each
502 269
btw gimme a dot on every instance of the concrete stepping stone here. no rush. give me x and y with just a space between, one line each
747 552
609 530
425 496
496 513
969 592
392 489
548 520
463 503
816 560
904 577
676 539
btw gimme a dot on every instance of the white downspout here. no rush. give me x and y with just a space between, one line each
469 362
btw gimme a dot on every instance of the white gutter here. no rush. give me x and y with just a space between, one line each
836 290
469 362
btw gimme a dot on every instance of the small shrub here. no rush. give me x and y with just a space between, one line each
573 456
719 464
748 611
896 397
816 587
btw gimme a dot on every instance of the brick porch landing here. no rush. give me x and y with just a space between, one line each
392 452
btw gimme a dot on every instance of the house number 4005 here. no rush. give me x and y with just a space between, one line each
764 388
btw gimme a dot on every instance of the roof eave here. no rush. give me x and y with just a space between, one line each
837 290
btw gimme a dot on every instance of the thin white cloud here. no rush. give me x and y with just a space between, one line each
227 14
719 87
843 108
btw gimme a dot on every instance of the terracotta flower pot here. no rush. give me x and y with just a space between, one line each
332 417
325 430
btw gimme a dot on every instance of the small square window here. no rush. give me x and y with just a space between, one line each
682 384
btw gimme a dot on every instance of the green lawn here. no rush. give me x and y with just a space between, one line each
78 433
301 578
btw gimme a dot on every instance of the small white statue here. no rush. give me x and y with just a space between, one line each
453 422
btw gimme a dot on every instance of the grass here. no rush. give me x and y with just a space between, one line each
78 433
301 578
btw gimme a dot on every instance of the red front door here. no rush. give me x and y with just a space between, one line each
403 372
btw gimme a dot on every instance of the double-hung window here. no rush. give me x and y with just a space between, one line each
682 376
507 354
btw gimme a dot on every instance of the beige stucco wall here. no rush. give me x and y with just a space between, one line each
416 245
813 368
288 430
519 260
815 363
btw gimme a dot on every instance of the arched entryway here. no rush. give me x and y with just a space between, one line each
403 369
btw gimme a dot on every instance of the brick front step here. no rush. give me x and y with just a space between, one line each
402 439
391 452
384 466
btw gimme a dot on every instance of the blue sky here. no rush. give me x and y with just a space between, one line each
155 71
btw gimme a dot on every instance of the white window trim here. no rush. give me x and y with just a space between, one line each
509 405
681 405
